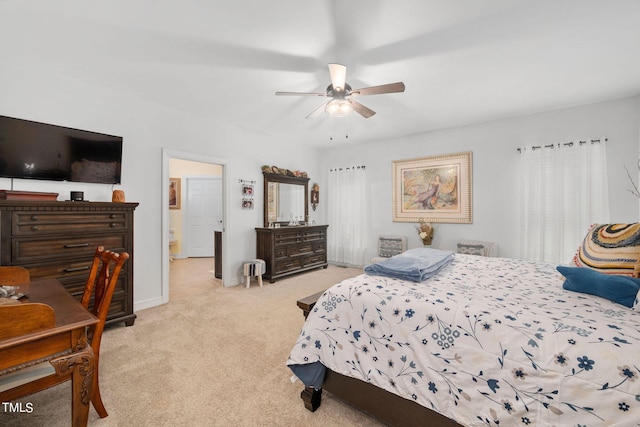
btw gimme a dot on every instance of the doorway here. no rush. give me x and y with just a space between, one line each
167 213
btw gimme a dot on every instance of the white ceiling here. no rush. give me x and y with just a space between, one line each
462 61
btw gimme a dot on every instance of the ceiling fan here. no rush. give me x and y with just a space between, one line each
341 93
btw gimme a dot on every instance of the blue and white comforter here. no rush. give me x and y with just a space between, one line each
488 341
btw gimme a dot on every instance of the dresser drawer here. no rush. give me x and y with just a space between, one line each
315 259
119 306
119 301
75 285
287 238
300 249
310 236
72 274
42 223
73 277
287 265
281 252
25 251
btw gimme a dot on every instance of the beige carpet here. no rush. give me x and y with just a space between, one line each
215 357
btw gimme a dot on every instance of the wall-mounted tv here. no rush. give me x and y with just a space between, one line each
32 150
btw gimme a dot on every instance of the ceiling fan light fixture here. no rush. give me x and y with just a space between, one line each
338 108
342 105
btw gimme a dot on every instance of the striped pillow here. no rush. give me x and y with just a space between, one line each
610 248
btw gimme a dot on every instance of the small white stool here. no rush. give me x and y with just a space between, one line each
254 267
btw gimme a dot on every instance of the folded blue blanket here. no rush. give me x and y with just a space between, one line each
416 265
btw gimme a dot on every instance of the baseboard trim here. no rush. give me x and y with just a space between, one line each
142 305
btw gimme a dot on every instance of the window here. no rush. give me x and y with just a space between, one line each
564 191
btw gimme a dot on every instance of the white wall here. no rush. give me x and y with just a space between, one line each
45 95
496 203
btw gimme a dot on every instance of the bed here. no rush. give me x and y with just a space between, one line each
485 341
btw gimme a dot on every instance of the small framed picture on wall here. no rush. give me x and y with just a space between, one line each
174 193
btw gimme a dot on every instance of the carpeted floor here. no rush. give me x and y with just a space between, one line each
213 356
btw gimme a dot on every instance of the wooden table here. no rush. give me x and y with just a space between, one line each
68 338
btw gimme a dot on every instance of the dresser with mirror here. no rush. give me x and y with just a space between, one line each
287 242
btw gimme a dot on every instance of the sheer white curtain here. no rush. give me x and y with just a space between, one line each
564 191
348 213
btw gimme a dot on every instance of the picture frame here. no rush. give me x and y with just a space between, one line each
434 189
174 193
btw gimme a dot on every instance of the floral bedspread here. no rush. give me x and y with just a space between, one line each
488 341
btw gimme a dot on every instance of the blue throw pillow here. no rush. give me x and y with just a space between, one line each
616 288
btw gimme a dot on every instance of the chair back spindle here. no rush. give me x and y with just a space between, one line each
101 284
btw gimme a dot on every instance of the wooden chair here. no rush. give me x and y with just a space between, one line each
98 291
101 284
13 275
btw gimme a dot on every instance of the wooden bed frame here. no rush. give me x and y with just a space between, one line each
376 402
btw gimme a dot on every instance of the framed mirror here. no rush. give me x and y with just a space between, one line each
285 197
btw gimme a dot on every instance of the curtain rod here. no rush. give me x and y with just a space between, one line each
568 144
347 168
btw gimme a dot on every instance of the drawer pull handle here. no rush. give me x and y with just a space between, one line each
112 216
34 228
72 270
76 245
112 225
34 218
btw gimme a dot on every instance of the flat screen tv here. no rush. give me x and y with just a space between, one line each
32 150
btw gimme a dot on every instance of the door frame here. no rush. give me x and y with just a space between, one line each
168 154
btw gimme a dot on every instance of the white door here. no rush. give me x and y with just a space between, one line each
204 214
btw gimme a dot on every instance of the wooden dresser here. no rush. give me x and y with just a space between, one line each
58 240
290 250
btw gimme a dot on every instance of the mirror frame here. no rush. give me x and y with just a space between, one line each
284 179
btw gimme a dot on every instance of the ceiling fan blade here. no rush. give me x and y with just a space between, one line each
377 90
365 112
315 113
300 94
338 74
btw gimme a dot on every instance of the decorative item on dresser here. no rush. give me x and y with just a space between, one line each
58 240
290 250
